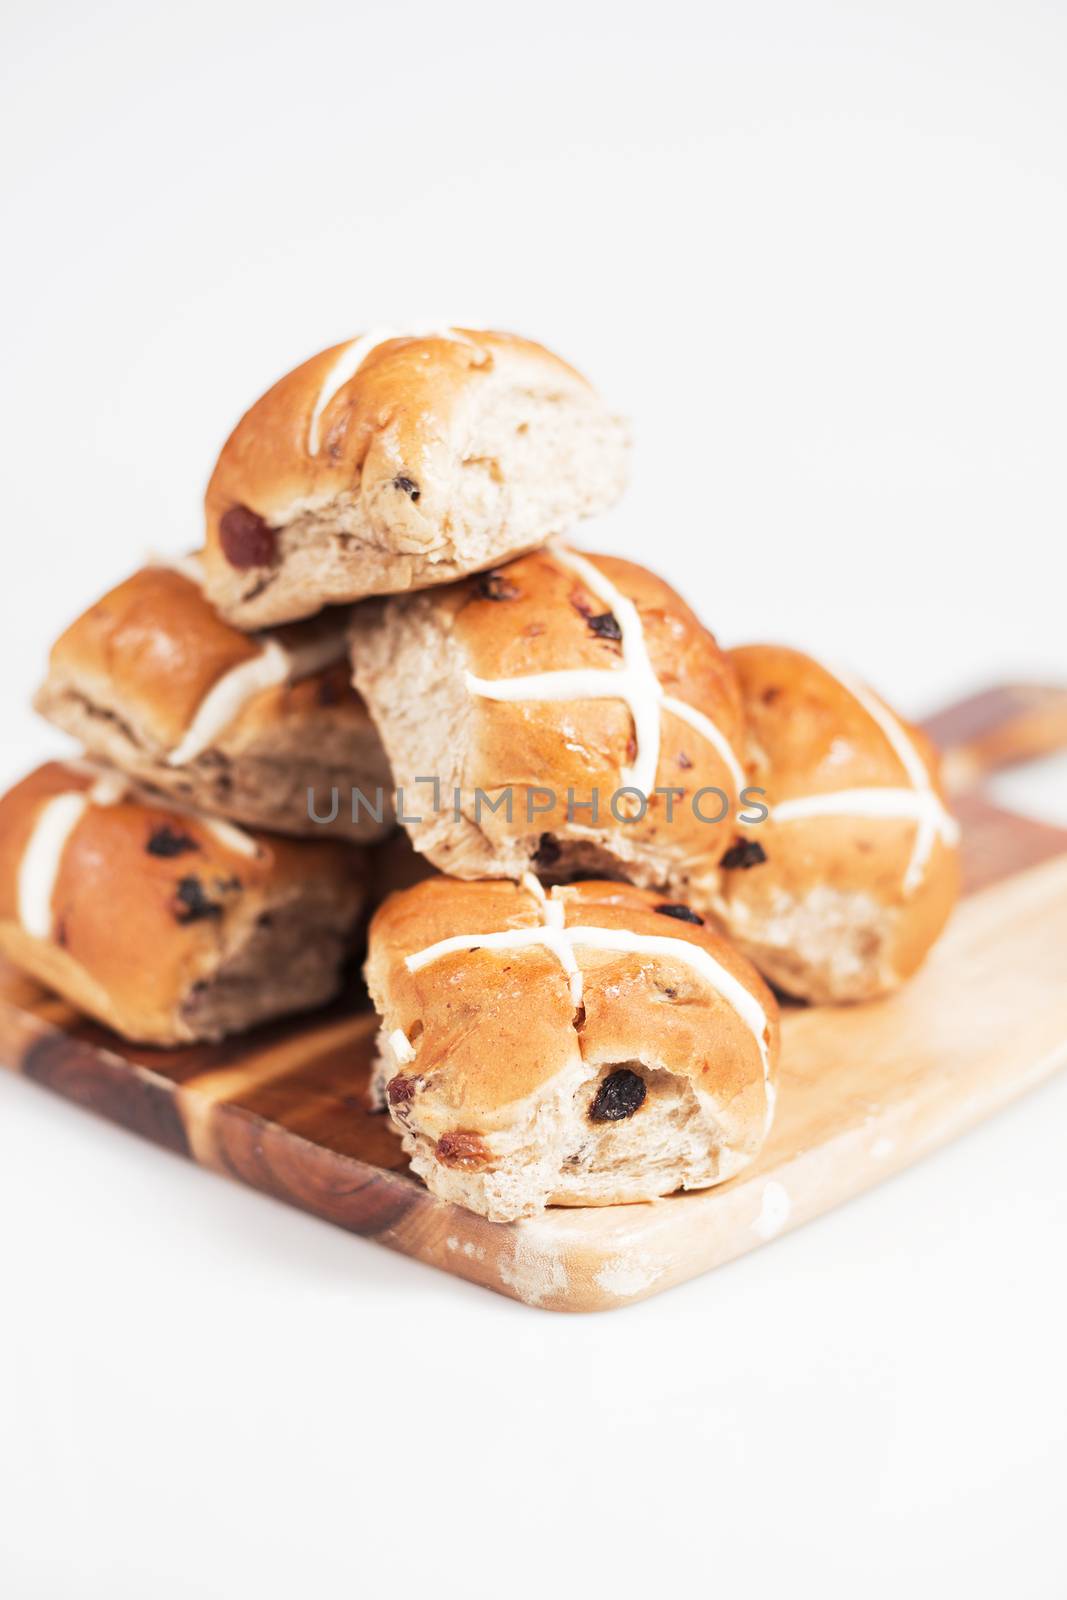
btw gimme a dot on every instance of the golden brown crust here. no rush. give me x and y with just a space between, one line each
538 615
808 731
551 624
496 1026
830 913
405 479
130 675
491 1027
149 904
149 651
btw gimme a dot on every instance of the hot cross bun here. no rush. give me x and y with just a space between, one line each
162 923
586 1045
151 679
841 891
400 460
548 697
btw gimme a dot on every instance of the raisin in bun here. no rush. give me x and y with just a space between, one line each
166 925
401 460
151 679
562 675
841 891
591 1045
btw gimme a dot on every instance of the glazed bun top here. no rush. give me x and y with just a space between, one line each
139 893
155 653
595 620
398 460
820 729
489 989
827 749
569 678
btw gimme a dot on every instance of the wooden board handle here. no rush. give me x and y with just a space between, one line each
999 728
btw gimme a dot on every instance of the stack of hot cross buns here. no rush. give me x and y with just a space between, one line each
623 834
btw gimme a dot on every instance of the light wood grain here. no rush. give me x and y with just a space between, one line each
865 1091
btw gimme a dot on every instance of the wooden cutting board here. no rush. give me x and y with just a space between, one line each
865 1090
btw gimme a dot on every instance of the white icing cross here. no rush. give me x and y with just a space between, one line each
56 821
352 358
635 682
52 828
921 802
274 665
400 1047
562 941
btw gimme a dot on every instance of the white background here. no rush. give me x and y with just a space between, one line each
819 253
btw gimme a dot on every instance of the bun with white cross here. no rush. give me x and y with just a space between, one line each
584 1045
164 924
839 894
151 679
400 460
633 824
548 697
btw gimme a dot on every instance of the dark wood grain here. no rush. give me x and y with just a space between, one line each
999 728
997 844
101 1080
284 1108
